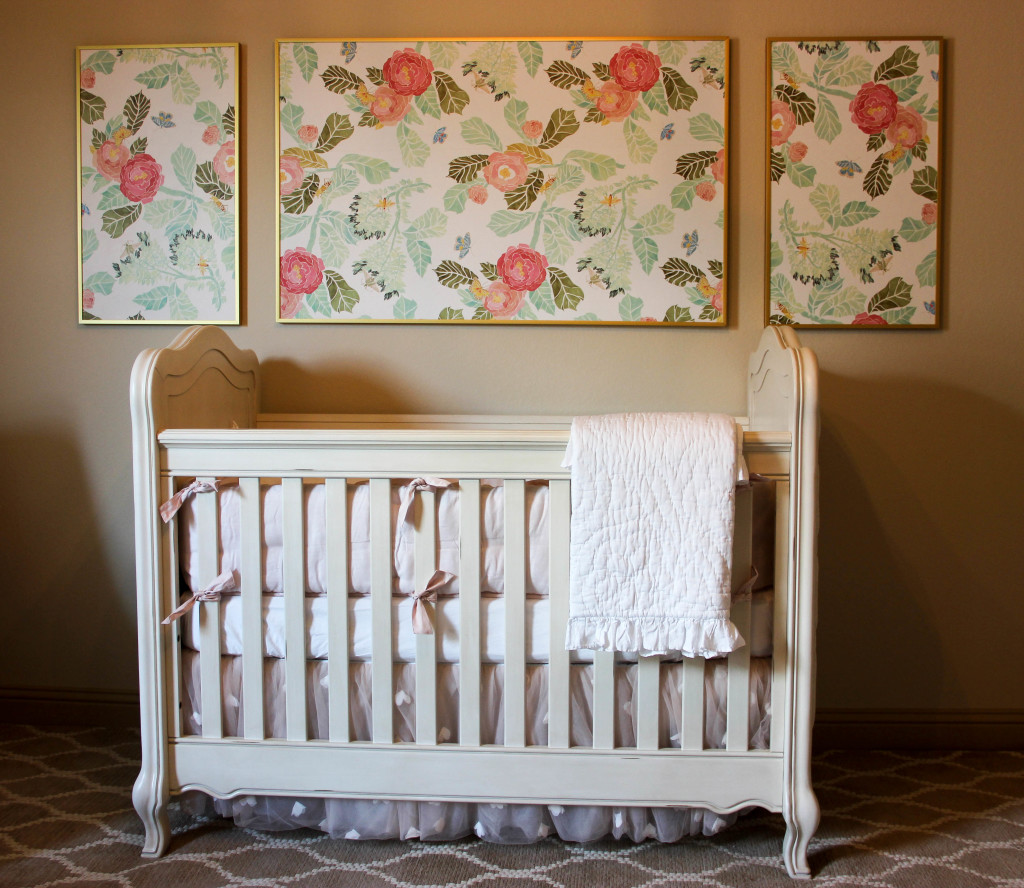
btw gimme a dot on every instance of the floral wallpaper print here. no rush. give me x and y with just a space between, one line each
157 164
854 183
558 181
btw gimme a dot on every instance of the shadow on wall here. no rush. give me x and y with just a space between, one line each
920 533
64 624
288 387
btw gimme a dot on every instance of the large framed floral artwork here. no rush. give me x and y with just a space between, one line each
558 181
854 184
158 171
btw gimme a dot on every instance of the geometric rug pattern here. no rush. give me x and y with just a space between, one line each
889 820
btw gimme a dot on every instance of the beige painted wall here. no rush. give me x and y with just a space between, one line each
921 497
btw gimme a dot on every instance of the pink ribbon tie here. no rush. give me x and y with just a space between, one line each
410 491
226 582
421 622
169 509
746 590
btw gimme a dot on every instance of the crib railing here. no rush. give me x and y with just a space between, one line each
340 458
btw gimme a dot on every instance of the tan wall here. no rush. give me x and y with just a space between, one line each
921 497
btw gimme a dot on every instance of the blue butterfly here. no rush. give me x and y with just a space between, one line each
85 210
689 242
164 119
462 244
930 307
348 49
935 76
575 47
440 135
848 167
668 131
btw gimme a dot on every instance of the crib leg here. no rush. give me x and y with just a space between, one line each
801 815
150 798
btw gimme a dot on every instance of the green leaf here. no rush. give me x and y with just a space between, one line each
561 125
428 104
825 199
522 198
477 131
603 72
432 223
656 221
565 75
208 180
775 259
516 111
291 119
490 271
676 314
335 130
405 308
307 60
414 150
646 250
878 178
90 243
692 166
777 166
343 297
184 90
631 308
679 93
800 174
102 61
100 282
640 147
826 123
855 212
309 160
900 316
716 268
926 270
300 200
531 153
925 183
331 234
532 54
913 230
894 294
227 121
704 128
112 197
656 98
902 63
375 76
136 109
906 87
161 213
340 80
453 275
594 115
372 169
683 194
155 299
680 272
454 199
207 113
292 226
598 166
505 223
155 77
451 314
801 104
92 107
451 97
117 220
543 299
467 167
567 295
183 162
838 302
98 138
780 291
420 253
709 313
876 141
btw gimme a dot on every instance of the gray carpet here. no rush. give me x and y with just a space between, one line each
919 820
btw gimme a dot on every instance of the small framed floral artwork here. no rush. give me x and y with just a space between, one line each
545 181
854 184
158 170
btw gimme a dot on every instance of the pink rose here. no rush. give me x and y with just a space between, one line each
291 174
88 298
614 101
716 299
388 106
522 267
782 124
797 152
290 303
224 163
865 319
907 128
718 166
301 271
929 213
532 129
211 135
706 190
308 133
635 68
505 170
110 158
88 78
141 178
502 301
477 193
408 73
873 108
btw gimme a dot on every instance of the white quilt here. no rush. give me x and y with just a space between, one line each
651 533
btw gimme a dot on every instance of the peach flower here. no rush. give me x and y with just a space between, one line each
224 163
309 133
477 193
291 174
502 301
615 102
782 124
388 106
109 158
505 170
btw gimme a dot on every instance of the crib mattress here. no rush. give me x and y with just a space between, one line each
447 620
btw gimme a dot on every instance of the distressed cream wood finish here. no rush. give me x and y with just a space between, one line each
195 414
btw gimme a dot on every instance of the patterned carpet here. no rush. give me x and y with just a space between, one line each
922 820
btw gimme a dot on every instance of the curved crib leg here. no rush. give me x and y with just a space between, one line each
801 815
150 800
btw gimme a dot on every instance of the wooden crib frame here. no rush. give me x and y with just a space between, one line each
194 408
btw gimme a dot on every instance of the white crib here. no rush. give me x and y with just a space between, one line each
195 416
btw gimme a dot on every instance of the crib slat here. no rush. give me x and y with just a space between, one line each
781 614
558 600
648 685
382 691
336 492
692 736
252 610
737 732
425 555
515 613
172 582
604 700
469 613
208 522
293 564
